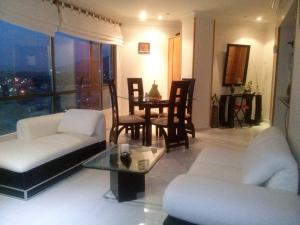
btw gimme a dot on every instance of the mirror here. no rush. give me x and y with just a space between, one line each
236 64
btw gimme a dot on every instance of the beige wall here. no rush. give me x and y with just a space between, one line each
267 81
260 67
187 46
150 67
203 56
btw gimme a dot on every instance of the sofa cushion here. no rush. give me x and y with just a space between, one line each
222 156
207 201
286 179
215 171
19 156
39 126
80 121
269 160
271 132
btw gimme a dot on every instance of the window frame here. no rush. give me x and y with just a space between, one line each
54 94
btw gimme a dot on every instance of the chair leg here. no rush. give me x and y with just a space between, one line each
237 118
113 136
193 130
143 134
136 131
132 129
186 141
190 128
167 145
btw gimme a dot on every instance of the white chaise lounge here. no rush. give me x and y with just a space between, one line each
46 148
229 187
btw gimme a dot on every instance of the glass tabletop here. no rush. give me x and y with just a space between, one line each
125 157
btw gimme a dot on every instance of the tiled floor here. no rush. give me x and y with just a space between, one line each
78 200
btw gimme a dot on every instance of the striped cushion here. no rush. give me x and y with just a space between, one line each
163 121
131 119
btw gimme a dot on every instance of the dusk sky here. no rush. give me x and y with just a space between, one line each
22 50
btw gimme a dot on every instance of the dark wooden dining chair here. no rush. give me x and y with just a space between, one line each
121 122
243 108
173 126
135 90
136 94
189 126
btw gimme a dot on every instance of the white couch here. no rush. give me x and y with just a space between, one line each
46 147
255 187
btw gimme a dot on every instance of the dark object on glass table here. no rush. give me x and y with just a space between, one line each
126 159
189 126
236 64
175 122
121 122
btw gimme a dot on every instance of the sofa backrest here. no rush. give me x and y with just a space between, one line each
83 121
269 162
39 126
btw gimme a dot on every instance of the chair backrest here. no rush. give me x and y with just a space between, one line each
132 90
177 104
189 104
114 102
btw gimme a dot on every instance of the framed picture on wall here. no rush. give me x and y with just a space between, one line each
144 48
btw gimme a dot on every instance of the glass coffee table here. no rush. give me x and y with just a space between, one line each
128 165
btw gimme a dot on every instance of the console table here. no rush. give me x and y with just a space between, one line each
226 110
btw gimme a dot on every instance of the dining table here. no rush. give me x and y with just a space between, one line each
147 104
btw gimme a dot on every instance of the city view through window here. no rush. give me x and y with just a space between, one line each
29 86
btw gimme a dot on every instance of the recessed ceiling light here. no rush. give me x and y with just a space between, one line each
160 17
259 18
143 15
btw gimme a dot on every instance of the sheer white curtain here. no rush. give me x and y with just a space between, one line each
46 17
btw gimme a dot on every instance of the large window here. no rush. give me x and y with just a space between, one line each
78 73
25 75
29 86
107 57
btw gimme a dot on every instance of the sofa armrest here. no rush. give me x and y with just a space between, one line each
100 130
8 137
207 201
39 126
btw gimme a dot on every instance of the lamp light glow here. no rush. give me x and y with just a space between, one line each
143 15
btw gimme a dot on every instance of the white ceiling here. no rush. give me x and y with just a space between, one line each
174 10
